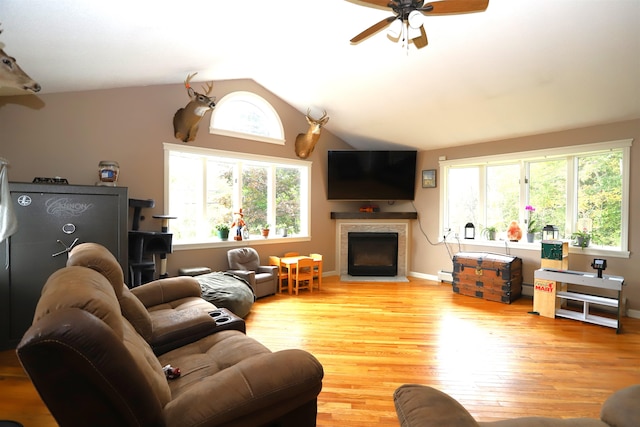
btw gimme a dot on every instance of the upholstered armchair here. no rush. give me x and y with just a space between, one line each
245 263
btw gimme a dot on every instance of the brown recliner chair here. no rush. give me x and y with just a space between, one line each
91 367
245 263
423 406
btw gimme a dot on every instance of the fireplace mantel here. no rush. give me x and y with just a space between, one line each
374 215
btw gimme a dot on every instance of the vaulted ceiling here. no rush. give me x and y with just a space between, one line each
521 67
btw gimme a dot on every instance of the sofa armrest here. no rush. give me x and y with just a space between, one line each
162 291
176 328
423 406
255 391
248 275
268 269
621 409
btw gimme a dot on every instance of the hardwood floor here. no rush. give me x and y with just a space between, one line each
498 360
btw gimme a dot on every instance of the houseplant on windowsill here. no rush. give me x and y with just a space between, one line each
265 231
489 232
223 231
532 228
581 238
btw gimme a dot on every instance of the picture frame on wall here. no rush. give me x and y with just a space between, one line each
429 178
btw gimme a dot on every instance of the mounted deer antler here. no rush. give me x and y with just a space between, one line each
306 142
11 75
186 120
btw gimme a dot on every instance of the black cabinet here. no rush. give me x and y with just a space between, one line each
52 218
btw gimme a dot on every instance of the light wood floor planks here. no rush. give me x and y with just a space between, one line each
498 360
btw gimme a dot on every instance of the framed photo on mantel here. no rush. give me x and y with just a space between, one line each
429 178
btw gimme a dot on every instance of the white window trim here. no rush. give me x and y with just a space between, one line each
305 214
550 153
259 102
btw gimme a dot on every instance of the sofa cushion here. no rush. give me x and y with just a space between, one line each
545 422
100 259
82 288
235 380
622 409
423 406
136 313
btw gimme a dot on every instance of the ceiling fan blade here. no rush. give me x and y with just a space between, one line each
421 41
446 7
373 29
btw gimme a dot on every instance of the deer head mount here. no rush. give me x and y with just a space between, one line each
186 120
11 75
306 142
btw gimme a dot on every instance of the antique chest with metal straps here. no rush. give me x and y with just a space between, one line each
490 276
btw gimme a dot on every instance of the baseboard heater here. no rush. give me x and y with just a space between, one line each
445 276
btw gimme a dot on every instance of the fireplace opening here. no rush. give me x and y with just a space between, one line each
372 254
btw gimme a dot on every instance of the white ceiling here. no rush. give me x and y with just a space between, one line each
521 67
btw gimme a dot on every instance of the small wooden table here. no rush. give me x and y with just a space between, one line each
290 261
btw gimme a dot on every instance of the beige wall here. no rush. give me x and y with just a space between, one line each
67 135
426 258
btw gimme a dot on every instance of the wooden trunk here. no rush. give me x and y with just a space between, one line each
489 276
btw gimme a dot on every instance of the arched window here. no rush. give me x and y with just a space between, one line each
248 116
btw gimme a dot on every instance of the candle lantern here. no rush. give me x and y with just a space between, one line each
550 232
469 231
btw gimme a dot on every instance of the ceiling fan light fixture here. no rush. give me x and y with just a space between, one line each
415 19
395 29
413 33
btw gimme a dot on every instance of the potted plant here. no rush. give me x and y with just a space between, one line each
223 231
581 238
265 231
489 232
532 227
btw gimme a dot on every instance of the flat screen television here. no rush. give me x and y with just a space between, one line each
371 175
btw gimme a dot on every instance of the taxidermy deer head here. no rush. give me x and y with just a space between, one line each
11 75
186 120
306 142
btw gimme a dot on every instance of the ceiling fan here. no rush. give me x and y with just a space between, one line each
407 23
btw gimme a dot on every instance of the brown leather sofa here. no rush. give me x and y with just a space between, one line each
93 367
423 406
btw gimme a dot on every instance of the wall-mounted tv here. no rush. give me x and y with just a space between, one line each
371 175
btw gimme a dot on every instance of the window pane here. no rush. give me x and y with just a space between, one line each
288 211
254 197
220 178
462 198
548 193
186 189
600 197
503 195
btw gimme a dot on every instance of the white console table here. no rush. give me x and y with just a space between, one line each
546 288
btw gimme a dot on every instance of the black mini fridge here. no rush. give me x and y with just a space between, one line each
52 219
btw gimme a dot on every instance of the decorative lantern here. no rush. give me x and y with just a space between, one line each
469 231
550 232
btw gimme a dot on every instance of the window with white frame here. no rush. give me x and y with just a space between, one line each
206 187
579 189
249 116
